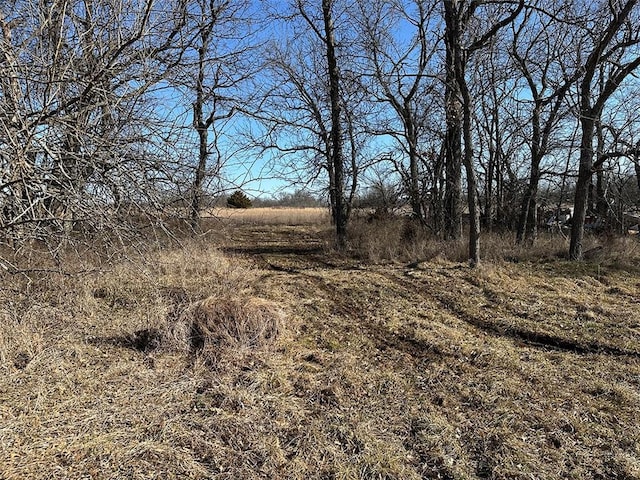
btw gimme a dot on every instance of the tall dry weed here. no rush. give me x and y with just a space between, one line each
266 216
394 238
135 301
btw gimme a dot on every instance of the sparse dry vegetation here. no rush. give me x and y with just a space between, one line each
270 356
400 239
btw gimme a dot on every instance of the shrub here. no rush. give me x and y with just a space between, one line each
238 200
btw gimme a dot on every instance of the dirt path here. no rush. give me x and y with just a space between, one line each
288 252
507 371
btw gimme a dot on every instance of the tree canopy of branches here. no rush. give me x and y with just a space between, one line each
79 123
110 110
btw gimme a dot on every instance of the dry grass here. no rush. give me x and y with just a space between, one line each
215 325
270 216
79 397
432 371
399 239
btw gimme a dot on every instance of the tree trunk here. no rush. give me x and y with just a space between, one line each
601 205
472 181
501 213
196 196
637 167
437 203
453 136
582 186
489 204
474 215
201 126
332 187
453 185
414 187
340 214
528 219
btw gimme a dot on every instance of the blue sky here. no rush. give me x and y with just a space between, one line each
252 171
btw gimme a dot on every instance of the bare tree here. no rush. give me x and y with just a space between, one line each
307 110
340 210
498 134
636 163
214 72
539 50
614 46
461 43
76 101
616 133
401 80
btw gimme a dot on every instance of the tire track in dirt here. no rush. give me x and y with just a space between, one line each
348 308
417 348
533 339
298 258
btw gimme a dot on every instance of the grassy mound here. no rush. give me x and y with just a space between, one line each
217 324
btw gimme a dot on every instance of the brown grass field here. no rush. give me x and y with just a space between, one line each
370 365
270 215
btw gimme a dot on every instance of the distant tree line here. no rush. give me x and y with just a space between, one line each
297 199
112 111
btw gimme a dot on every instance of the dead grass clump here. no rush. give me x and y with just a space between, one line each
219 324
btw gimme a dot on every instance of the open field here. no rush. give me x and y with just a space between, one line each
270 215
428 370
